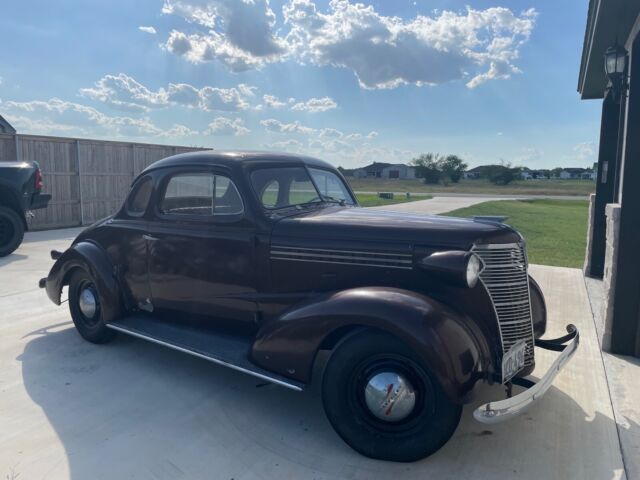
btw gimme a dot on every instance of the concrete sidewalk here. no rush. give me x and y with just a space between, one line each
131 409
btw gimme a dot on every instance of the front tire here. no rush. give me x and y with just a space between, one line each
85 305
11 231
382 400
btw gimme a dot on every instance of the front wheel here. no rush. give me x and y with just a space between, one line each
85 305
381 399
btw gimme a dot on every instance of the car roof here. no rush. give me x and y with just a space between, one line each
236 158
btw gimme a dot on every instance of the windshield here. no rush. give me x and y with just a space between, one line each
330 186
279 187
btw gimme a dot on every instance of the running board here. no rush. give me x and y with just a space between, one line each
226 350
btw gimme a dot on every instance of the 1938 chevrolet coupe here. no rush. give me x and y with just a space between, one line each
257 261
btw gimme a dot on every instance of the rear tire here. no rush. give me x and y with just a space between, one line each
11 231
85 307
382 400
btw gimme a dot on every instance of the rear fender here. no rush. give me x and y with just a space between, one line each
450 343
93 259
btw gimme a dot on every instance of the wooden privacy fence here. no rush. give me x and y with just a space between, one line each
88 179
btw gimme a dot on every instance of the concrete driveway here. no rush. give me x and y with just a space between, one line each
131 409
440 204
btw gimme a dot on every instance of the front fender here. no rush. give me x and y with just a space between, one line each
450 343
93 259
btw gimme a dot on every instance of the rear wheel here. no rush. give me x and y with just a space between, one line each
382 400
85 305
11 231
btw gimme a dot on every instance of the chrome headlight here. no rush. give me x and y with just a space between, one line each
458 267
474 267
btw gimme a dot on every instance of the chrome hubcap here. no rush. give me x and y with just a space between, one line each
88 303
390 396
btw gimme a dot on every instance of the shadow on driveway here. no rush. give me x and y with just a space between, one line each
132 409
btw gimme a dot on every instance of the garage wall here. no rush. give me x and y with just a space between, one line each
88 179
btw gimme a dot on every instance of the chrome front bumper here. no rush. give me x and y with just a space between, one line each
499 411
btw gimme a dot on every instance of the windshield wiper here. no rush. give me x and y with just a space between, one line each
330 199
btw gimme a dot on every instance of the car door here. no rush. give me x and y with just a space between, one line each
128 246
201 249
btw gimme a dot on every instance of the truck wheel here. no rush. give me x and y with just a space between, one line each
84 305
381 399
11 231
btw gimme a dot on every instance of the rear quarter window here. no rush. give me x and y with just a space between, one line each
139 197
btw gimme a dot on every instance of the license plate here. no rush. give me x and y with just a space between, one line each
513 360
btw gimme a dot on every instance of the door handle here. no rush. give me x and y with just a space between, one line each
149 237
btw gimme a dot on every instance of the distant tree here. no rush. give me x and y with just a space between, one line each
434 168
452 167
426 166
502 174
556 171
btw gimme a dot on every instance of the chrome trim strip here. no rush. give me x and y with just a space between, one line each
340 263
346 257
275 247
199 355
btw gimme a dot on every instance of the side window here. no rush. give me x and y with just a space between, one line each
202 194
139 198
227 198
189 194
270 194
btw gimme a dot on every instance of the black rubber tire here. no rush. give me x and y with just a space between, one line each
94 331
434 420
11 231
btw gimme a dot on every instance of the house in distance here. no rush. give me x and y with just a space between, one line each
385 170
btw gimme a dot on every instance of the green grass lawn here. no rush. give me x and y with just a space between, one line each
521 187
555 230
372 200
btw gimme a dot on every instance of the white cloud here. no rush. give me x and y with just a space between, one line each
473 45
183 94
585 151
371 135
314 105
272 101
125 93
226 99
382 51
276 126
150 30
226 126
290 145
330 133
527 156
238 33
247 90
57 115
179 131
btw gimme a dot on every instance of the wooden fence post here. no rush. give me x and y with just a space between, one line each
80 182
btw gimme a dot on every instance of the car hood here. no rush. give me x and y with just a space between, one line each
374 225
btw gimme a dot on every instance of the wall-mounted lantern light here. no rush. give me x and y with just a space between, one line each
615 66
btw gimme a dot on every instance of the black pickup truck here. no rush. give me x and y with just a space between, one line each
20 191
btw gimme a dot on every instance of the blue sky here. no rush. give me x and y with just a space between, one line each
351 83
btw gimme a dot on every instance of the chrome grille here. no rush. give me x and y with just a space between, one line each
505 278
